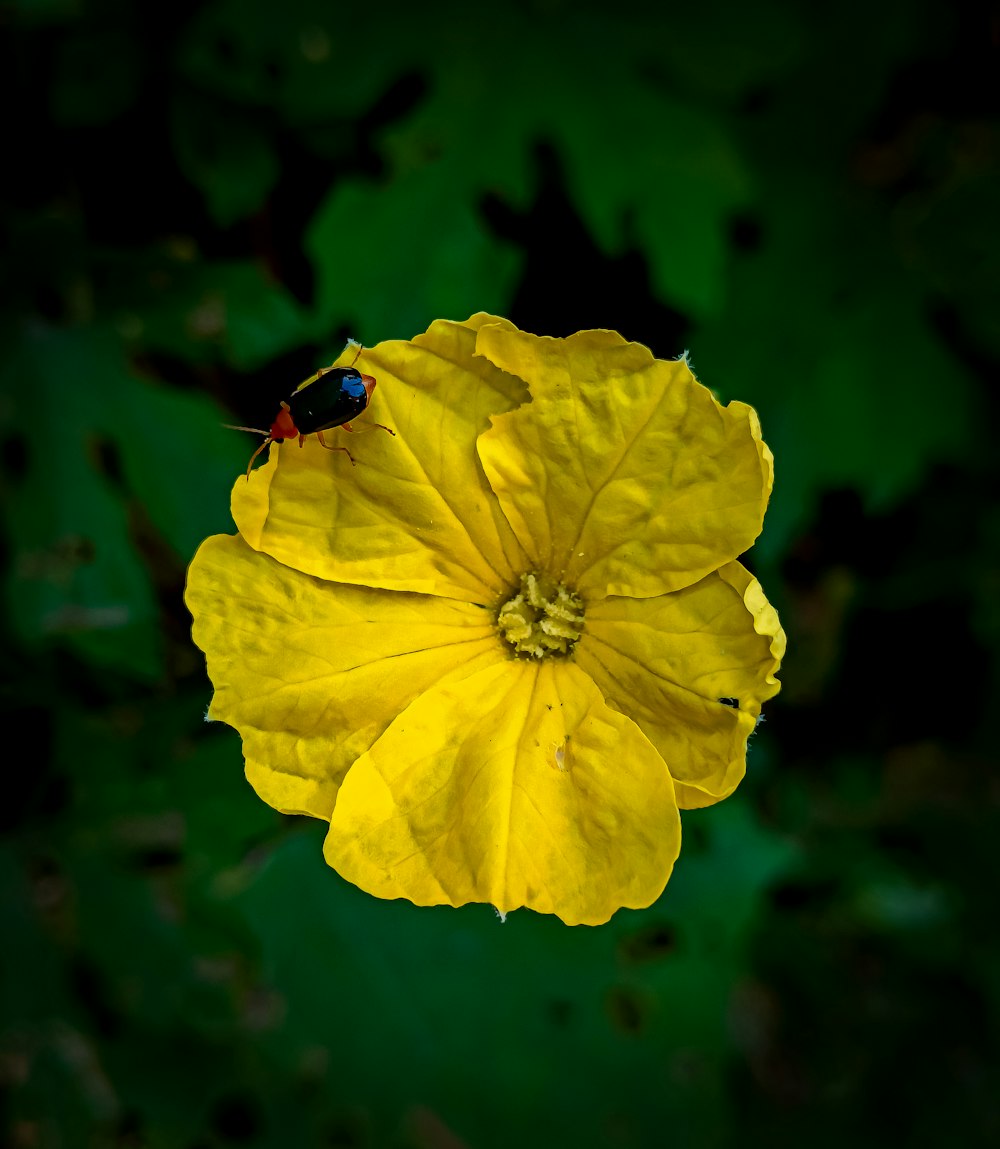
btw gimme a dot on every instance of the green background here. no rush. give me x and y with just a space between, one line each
200 203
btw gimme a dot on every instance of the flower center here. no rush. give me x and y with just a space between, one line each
545 618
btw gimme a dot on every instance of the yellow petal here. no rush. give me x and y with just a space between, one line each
623 475
516 786
416 513
667 661
311 673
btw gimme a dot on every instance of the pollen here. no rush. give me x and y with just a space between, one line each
544 618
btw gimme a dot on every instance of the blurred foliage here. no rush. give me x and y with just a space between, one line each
202 202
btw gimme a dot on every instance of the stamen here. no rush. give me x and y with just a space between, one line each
545 618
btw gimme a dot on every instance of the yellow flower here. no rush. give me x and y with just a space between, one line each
499 653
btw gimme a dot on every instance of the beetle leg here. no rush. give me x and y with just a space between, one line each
367 423
324 443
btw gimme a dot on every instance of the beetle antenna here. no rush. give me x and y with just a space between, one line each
252 430
359 346
253 457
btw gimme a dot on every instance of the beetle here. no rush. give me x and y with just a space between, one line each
330 398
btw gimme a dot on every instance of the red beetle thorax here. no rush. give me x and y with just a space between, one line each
283 427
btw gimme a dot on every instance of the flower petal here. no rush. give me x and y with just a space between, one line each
416 513
623 475
668 663
517 786
311 673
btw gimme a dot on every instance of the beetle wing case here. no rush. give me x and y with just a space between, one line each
336 397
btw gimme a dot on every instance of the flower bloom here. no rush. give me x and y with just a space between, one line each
500 653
